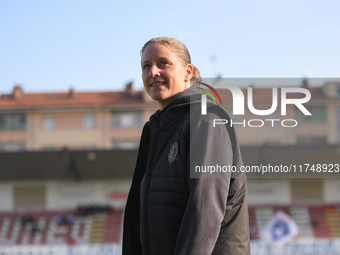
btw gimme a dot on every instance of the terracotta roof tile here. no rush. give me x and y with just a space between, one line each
265 94
52 100
110 99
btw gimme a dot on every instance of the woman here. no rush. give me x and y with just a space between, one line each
168 212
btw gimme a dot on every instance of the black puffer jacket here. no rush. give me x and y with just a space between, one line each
168 212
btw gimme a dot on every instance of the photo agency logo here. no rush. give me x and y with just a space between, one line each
204 97
301 96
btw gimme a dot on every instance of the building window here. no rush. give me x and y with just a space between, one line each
12 147
126 145
127 120
88 121
338 90
310 140
89 146
48 148
273 115
12 122
318 115
48 122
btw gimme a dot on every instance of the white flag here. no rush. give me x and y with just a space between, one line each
280 229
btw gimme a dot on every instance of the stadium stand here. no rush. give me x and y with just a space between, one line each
61 227
313 220
89 225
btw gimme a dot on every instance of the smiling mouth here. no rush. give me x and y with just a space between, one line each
157 84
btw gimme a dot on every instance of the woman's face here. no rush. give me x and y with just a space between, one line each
163 74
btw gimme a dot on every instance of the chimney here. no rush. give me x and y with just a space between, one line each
17 92
128 88
305 83
71 93
129 93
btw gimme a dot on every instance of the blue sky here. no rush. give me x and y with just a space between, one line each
94 45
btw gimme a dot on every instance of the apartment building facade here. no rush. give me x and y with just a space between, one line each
76 121
113 120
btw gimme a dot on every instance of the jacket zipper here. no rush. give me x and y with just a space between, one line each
147 188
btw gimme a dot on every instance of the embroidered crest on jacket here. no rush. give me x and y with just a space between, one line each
173 152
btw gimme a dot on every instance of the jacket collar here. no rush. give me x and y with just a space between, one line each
187 97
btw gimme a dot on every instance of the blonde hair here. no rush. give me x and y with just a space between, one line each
179 49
